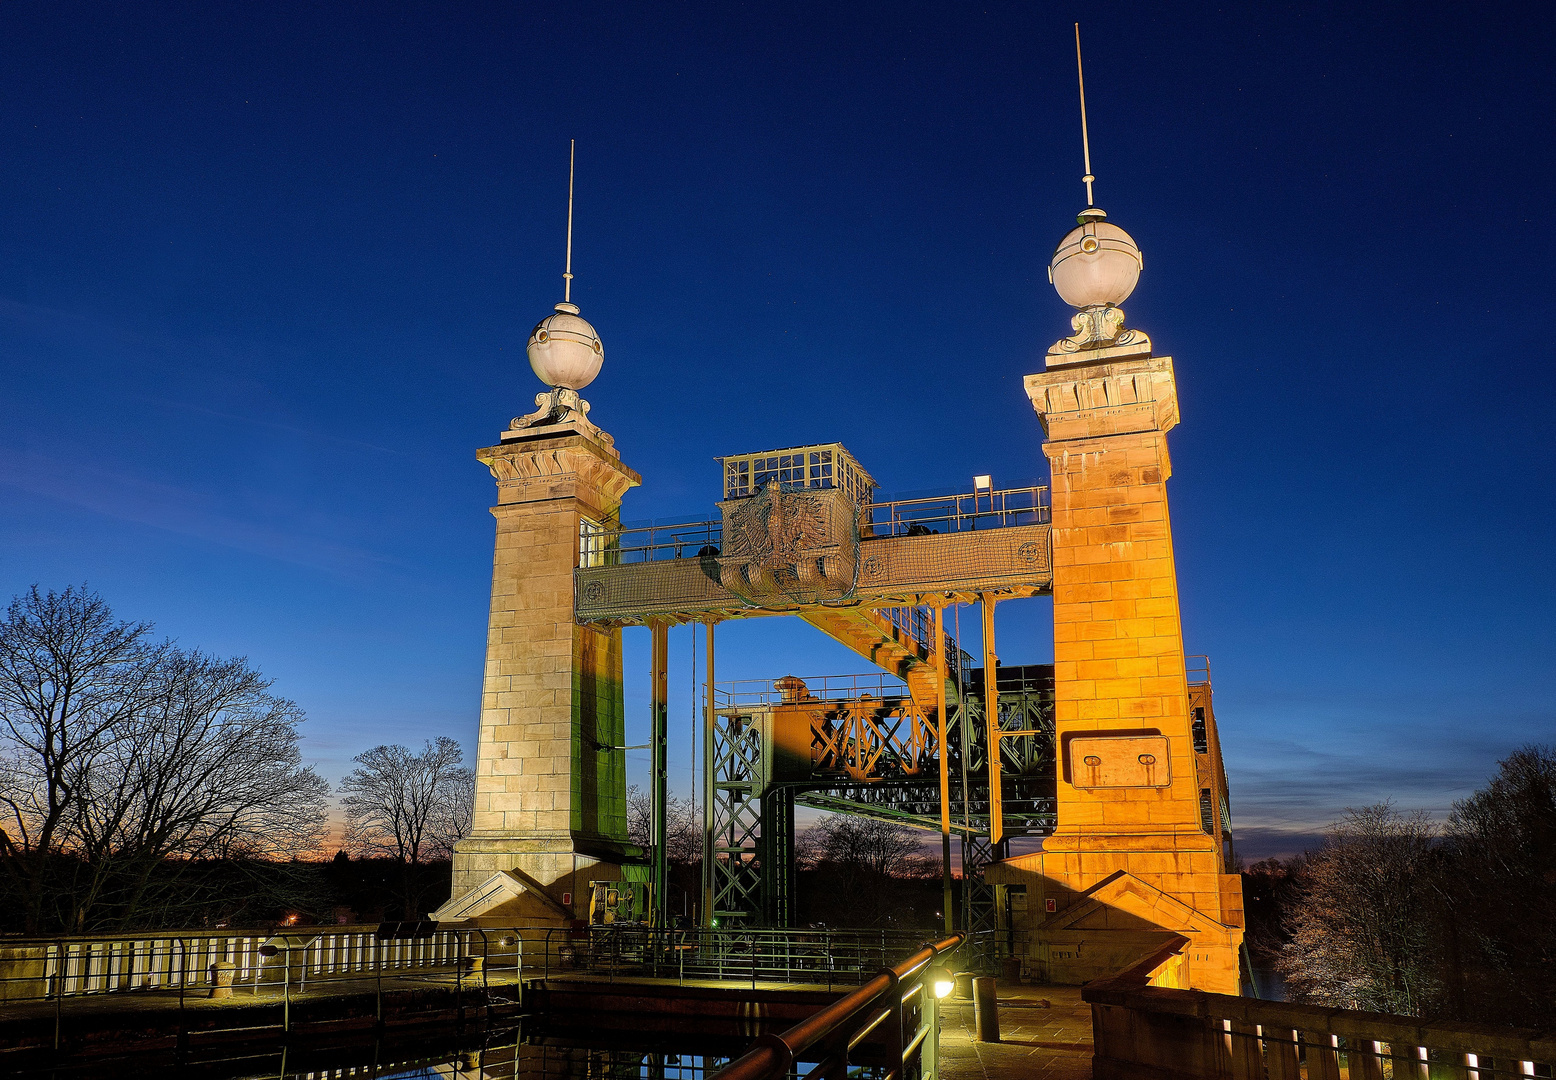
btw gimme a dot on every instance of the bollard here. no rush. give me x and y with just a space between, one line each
964 981
222 974
986 1009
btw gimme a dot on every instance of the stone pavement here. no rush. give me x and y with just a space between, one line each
1036 1043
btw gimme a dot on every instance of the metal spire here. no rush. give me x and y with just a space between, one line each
572 153
1080 75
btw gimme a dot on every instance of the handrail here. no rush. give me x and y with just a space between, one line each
773 1055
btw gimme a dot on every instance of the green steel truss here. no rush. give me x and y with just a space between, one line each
751 815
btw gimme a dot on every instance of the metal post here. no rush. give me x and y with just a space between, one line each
986 1009
945 766
991 709
59 991
929 1009
183 980
659 740
895 1043
707 786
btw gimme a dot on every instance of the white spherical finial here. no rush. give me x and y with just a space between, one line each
1096 264
564 350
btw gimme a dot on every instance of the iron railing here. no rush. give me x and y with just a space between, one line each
1197 669
918 623
822 957
655 541
735 693
926 515
258 965
893 1002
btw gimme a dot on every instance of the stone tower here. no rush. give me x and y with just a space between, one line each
1131 858
550 800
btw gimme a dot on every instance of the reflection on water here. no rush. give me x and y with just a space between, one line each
579 1047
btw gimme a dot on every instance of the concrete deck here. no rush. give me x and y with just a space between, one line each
1036 1043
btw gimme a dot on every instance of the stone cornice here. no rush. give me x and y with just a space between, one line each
559 467
1122 397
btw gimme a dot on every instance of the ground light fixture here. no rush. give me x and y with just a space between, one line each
941 981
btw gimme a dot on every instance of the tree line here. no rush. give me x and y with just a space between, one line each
147 785
851 871
1398 913
144 786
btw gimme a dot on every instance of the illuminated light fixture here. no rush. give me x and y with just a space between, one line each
942 982
983 483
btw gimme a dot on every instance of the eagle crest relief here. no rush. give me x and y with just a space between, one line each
797 545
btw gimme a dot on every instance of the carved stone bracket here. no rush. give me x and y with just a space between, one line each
517 464
562 406
1099 334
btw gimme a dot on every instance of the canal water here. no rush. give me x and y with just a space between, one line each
584 1047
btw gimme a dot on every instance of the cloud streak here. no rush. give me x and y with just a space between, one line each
123 496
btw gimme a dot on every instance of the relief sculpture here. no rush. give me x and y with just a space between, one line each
798 546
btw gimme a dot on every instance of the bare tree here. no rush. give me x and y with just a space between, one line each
452 814
862 844
394 797
407 806
1363 934
125 763
69 675
683 827
207 766
858 866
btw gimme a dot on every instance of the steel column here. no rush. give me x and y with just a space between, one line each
943 753
708 719
659 749
991 711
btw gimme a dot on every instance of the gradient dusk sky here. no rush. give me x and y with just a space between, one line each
267 272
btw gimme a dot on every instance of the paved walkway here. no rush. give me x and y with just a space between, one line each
1036 1042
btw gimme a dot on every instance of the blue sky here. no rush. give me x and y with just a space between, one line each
266 274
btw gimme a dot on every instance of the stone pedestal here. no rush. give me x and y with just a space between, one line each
1130 858
550 803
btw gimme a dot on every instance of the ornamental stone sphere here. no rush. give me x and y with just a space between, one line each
564 350
1097 263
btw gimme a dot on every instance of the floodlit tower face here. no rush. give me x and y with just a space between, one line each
550 775
1129 787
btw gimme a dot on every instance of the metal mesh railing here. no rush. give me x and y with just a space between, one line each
750 956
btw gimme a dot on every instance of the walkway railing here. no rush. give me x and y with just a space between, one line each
820 957
654 541
1142 1026
738 692
968 512
283 961
895 1002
